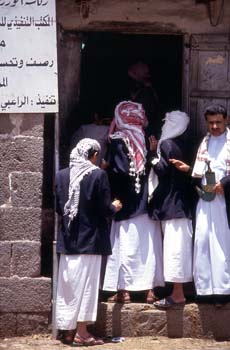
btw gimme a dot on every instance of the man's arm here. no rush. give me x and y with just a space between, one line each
182 166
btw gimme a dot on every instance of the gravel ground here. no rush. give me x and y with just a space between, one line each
45 342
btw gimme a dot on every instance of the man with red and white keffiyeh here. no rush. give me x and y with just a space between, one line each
130 120
133 233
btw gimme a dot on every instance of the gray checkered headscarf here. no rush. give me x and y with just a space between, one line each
80 166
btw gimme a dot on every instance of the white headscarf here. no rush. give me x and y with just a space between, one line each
80 166
176 122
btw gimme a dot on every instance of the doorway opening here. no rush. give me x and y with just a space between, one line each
105 58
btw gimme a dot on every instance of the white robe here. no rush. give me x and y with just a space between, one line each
136 260
177 250
212 235
77 291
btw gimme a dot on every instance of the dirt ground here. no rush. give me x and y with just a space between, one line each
45 342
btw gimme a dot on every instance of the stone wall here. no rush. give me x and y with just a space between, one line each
142 16
25 296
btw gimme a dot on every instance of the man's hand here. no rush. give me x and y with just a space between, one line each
180 165
218 188
117 204
104 164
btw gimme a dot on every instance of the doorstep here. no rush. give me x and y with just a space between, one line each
139 319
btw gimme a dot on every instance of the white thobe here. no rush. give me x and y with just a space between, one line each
177 250
136 260
212 235
77 292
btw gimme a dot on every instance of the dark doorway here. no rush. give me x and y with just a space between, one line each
105 61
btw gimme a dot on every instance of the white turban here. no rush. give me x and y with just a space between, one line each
175 124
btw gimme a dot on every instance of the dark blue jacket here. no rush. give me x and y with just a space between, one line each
89 231
172 198
226 185
123 185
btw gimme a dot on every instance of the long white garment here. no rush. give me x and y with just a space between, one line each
77 292
212 235
177 250
136 260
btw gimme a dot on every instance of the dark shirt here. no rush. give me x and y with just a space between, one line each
61 196
146 95
89 231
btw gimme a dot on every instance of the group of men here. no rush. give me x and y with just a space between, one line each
153 192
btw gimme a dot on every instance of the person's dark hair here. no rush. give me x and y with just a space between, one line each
215 109
91 152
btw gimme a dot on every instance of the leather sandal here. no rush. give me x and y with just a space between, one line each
67 337
113 298
167 303
122 297
150 297
90 341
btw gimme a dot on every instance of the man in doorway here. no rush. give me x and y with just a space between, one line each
141 91
212 233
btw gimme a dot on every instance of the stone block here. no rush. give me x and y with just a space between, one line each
32 323
20 224
8 325
21 154
26 259
32 125
5 125
192 321
130 320
5 189
5 259
213 321
22 295
26 189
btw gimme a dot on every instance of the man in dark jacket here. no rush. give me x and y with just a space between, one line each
170 203
82 241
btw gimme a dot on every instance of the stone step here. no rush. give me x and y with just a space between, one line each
137 319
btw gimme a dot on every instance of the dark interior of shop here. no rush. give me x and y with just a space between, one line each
104 65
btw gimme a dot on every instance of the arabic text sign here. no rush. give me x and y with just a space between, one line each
28 56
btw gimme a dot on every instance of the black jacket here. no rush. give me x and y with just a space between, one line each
172 199
89 231
226 185
123 185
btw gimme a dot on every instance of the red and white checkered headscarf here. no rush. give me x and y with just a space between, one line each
130 119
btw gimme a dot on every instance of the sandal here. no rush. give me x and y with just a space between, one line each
167 303
78 340
113 298
122 297
67 336
150 297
